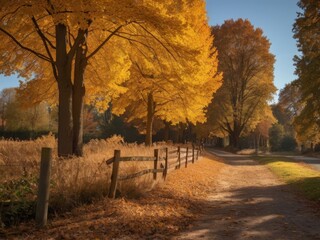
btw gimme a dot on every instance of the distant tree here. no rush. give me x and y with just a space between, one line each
90 121
306 31
6 97
247 65
276 134
261 131
290 100
288 143
15 117
280 114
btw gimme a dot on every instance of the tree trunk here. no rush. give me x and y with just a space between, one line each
150 117
78 95
257 143
180 133
166 131
234 140
65 132
235 136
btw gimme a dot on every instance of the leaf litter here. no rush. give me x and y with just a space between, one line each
170 207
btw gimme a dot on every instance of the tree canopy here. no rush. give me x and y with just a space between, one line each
247 66
306 31
71 49
173 92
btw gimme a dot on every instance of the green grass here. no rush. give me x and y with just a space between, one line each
302 178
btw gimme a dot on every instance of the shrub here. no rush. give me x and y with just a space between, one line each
276 134
317 147
17 200
288 143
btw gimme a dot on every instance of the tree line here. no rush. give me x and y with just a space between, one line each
157 65
298 107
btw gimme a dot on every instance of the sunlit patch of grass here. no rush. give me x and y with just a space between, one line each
301 177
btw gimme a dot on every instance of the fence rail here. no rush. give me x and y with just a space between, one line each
171 160
163 162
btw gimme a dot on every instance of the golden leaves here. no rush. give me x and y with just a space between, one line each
164 47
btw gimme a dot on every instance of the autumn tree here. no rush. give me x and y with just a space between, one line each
261 131
15 117
72 49
162 89
288 107
6 97
247 66
306 31
276 133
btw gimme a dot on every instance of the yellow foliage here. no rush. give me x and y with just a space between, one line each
177 77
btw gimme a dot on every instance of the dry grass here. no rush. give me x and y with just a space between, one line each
74 181
169 208
21 158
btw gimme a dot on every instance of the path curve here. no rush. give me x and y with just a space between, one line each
314 162
249 202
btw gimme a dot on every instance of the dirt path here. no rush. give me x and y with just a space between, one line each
250 203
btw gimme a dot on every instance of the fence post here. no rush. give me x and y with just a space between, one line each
43 187
114 175
186 165
165 164
156 155
192 153
179 157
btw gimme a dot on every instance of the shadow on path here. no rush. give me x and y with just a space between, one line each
250 203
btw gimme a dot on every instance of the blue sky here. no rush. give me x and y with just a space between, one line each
274 17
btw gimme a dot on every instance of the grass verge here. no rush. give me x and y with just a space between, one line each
302 178
164 211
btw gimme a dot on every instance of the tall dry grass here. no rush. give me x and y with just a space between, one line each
74 181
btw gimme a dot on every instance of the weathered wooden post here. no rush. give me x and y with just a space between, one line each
179 157
156 159
192 153
43 187
186 165
114 175
165 171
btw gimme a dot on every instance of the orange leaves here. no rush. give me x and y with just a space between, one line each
247 66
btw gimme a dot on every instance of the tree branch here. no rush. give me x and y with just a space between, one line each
16 10
105 41
146 30
45 43
45 40
39 55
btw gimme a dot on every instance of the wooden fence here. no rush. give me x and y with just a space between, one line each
163 162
